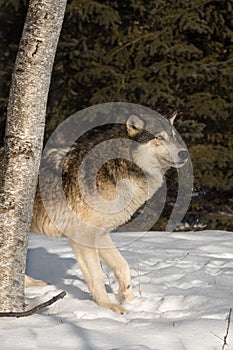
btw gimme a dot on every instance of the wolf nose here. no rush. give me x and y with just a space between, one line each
183 154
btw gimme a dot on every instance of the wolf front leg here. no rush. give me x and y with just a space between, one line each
117 263
89 262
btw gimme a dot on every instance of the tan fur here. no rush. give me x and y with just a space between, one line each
88 230
31 282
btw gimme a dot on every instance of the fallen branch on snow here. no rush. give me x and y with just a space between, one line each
34 309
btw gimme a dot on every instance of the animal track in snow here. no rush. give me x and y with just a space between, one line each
180 305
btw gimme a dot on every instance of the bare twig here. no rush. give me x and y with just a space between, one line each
227 331
34 309
217 336
139 281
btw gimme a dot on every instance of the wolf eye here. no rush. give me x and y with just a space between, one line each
159 137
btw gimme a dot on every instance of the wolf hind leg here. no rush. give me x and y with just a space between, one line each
89 263
117 263
28 281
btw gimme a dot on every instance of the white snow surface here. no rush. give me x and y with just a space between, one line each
183 286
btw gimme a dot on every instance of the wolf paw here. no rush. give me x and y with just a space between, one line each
118 309
126 295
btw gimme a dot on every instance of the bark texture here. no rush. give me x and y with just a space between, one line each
23 143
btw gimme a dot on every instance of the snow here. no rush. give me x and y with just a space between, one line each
183 286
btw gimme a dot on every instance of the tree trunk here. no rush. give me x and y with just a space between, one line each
23 143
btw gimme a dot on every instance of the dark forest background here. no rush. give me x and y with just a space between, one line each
164 54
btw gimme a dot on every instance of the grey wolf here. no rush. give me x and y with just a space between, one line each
147 159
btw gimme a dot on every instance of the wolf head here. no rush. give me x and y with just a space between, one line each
158 145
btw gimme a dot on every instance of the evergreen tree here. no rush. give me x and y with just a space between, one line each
167 55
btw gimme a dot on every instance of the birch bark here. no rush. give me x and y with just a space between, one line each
23 143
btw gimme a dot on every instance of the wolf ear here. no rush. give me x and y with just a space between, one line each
173 117
134 125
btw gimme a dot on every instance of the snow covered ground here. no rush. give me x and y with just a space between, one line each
183 285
